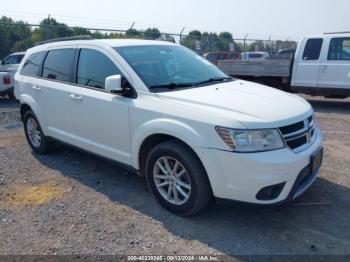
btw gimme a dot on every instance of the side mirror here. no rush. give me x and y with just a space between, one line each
113 84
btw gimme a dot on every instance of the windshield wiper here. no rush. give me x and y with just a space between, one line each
179 85
172 85
215 80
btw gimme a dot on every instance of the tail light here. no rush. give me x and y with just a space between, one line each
6 80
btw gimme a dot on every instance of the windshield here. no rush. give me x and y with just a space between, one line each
170 66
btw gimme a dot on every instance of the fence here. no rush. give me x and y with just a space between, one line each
19 36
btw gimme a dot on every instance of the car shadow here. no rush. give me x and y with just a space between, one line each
330 106
8 104
318 223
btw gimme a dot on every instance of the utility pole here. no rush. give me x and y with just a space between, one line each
244 43
183 29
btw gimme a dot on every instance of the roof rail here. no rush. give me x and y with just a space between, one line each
81 37
331 33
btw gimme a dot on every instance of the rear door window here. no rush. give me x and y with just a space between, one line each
58 65
313 49
339 49
93 68
32 65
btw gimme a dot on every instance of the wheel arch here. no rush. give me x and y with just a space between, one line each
157 131
28 103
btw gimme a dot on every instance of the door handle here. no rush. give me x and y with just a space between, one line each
36 88
75 97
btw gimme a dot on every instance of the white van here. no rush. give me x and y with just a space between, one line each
173 117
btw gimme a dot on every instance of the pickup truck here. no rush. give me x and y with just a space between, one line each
8 68
320 66
6 84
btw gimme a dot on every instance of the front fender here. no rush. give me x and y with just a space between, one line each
28 100
170 127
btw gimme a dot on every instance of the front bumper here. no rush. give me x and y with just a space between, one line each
239 177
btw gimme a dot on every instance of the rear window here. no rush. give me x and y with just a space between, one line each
339 49
10 60
313 49
58 65
32 65
255 55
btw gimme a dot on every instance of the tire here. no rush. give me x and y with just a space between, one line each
199 192
32 128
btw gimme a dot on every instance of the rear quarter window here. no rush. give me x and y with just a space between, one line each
32 65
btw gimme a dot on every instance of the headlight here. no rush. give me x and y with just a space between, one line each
251 140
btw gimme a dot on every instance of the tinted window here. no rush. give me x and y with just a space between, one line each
312 49
10 60
93 68
32 64
58 64
255 55
339 49
19 58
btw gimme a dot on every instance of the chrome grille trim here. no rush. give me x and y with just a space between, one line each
301 139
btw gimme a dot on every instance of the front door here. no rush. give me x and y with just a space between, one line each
99 119
308 67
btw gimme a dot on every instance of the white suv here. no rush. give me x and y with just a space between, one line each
173 117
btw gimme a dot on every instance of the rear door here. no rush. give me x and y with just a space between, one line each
54 88
335 68
306 71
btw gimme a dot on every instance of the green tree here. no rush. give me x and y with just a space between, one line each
225 39
78 31
133 33
190 40
256 46
12 32
151 33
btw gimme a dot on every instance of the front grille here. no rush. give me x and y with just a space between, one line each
300 135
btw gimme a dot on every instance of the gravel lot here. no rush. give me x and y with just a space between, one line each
70 202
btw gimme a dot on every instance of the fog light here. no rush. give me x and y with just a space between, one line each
270 192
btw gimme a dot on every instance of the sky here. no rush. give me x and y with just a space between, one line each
280 19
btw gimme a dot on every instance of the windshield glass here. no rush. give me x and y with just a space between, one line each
170 66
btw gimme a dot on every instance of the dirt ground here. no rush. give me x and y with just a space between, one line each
70 202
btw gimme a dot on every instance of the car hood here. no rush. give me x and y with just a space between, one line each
254 105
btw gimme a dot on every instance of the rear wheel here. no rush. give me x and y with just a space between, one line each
177 178
34 134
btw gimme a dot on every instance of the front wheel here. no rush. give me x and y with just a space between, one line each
177 178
